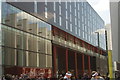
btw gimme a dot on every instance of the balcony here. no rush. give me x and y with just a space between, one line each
68 44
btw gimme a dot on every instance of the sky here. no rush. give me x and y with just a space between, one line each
102 8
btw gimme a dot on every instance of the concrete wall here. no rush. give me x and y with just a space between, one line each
0 46
118 30
114 27
109 36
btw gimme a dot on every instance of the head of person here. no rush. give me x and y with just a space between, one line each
95 74
68 74
85 74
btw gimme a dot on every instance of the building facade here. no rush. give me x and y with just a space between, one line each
114 6
51 38
115 17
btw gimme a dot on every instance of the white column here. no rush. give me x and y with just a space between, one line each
37 48
27 54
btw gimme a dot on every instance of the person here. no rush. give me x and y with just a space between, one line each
85 77
100 77
61 77
68 76
96 76
118 76
107 77
3 78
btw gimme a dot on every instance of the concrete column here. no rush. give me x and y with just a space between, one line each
27 54
54 61
89 67
66 59
83 64
76 69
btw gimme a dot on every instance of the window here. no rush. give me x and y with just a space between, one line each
70 17
54 5
85 20
75 30
86 36
79 32
75 21
46 13
88 23
75 12
83 27
59 1
79 23
46 2
79 15
89 37
59 10
83 34
60 20
70 7
66 15
35 6
54 17
78 6
82 10
90 11
82 19
75 4
66 24
88 16
71 27
85 12
82 3
23 37
66 4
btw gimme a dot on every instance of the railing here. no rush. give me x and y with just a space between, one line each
62 42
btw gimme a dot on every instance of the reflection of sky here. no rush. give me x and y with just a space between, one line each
102 8
31 19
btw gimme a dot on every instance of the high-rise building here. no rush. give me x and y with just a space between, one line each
115 23
51 37
114 6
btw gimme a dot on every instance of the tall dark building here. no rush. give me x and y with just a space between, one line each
51 38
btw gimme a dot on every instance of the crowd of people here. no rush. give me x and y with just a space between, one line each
21 77
94 76
67 76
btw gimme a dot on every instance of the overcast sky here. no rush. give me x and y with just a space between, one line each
102 8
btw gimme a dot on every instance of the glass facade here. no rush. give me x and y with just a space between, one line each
82 21
67 16
26 40
26 32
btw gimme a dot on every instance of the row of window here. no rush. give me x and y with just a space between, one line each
25 41
15 57
84 21
87 20
23 21
83 11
